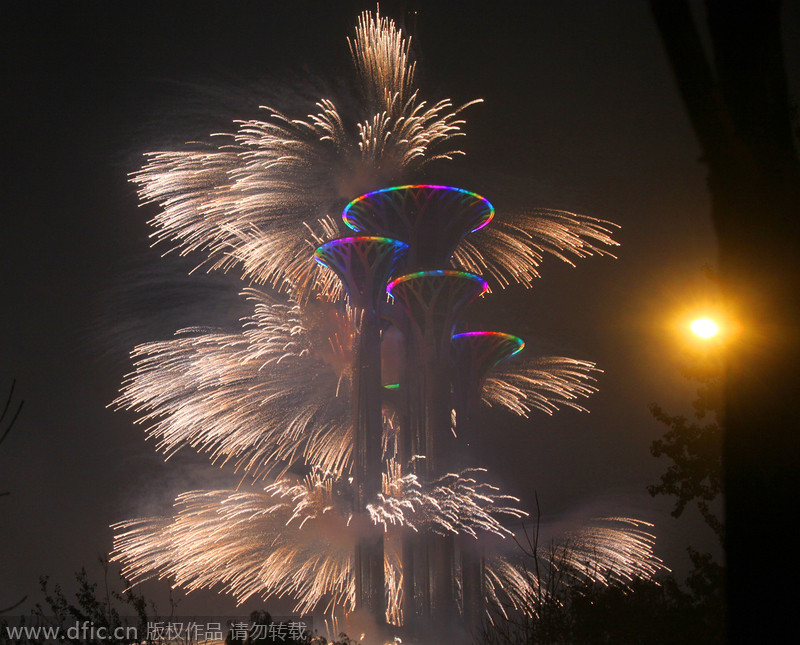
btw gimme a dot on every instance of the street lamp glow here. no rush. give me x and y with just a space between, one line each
704 327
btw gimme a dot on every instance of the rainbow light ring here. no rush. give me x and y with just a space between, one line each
510 337
444 272
346 240
365 196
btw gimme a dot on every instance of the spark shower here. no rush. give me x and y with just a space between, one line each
347 400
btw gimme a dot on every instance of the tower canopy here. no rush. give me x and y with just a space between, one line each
431 219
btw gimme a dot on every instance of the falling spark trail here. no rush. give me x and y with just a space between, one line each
251 201
295 537
611 550
244 543
512 249
542 383
454 504
262 399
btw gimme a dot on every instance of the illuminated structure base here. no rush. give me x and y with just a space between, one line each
433 301
364 265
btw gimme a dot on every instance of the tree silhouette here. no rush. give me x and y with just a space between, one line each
694 476
694 447
738 104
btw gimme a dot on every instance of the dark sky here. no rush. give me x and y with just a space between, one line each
580 113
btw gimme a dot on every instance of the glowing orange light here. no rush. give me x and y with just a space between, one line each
704 327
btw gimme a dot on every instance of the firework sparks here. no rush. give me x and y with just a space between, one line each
512 250
611 549
276 394
263 399
262 198
244 543
604 551
454 504
295 537
543 383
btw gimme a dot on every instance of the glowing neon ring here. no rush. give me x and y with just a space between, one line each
497 334
346 212
445 272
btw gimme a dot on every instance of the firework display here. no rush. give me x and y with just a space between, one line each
344 439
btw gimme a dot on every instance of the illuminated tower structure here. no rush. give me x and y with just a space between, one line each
474 354
268 400
364 265
433 302
385 519
429 300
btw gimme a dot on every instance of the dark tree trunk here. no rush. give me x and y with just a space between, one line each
739 108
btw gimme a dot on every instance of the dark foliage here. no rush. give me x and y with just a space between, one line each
110 612
645 612
694 448
695 473
105 610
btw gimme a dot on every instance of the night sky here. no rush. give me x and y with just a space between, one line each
580 114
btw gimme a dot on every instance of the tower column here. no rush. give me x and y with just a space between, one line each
364 265
433 302
474 354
